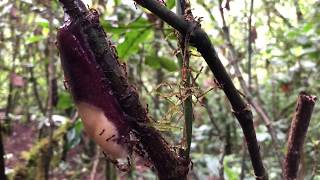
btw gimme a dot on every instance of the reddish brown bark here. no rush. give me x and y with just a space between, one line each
298 131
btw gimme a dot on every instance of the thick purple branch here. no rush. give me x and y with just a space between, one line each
151 145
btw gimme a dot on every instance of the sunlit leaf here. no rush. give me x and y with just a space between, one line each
44 23
307 27
232 175
131 43
170 3
117 2
34 39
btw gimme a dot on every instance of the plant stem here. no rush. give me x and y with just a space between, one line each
186 81
203 44
250 39
298 131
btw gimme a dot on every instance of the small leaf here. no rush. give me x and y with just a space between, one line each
73 139
157 62
152 62
34 39
131 43
65 101
44 23
292 34
307 27
74 134
170 3
78 126
168 64
117 2
231 174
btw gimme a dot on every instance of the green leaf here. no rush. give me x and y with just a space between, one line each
117 2
307 27
78 126
230 173
132 41
156 62
153 62
44 23
111 29
34 39
65 101
139 30
74 134
292 34
170 3
139 24
168 64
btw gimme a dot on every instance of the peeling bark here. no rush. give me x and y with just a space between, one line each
91 44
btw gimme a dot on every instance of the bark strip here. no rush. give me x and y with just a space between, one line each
298 131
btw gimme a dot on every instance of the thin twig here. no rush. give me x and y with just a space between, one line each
221 161
35 91
50 100
298 11
250 39
270 5
256 105
182 5
95 165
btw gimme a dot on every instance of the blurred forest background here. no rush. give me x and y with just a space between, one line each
270 48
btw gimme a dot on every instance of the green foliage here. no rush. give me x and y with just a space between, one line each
170 3
65 101
34 39
131 42
157 62
133 38
285 60
74 135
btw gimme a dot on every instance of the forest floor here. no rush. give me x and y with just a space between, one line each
23 138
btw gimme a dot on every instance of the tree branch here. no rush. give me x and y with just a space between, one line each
169 165
203 44
254 103
298 131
